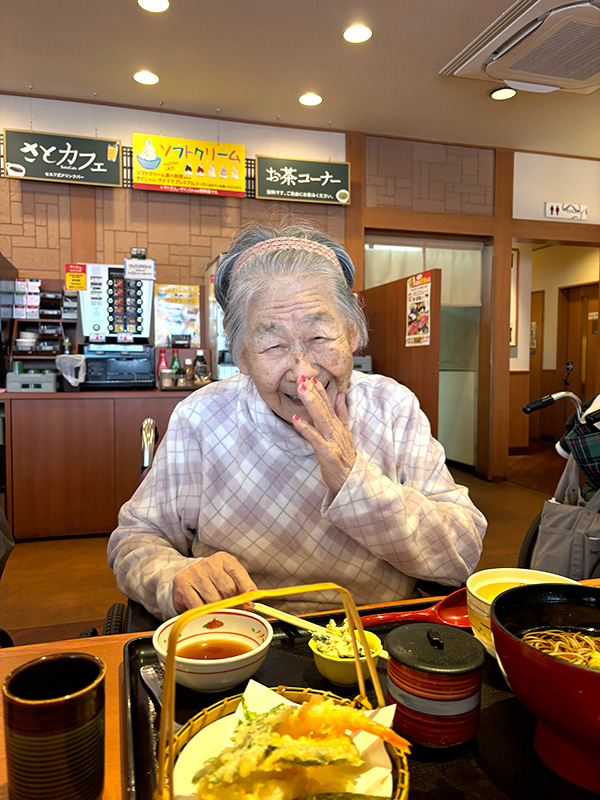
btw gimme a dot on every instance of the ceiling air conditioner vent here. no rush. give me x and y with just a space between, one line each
558 48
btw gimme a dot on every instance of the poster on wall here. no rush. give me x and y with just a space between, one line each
514 295
166 164
418 310
176 311
32 155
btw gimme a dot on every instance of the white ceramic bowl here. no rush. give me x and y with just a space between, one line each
484 586
217 674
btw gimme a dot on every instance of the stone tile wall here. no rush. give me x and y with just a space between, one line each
423 176
182 232
35 227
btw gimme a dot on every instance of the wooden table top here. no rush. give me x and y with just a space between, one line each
110 650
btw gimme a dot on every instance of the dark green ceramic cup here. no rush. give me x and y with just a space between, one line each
54 728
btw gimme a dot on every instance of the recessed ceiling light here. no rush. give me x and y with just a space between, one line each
310 99
357 33
504 93
154 5
146 77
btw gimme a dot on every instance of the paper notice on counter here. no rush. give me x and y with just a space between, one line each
418 310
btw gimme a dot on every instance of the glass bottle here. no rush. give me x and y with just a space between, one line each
200 367
189 372
176 363
162 362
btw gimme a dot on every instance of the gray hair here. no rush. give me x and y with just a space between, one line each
263 273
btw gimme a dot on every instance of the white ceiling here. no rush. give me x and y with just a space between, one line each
251 59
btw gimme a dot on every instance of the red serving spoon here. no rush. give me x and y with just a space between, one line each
451 610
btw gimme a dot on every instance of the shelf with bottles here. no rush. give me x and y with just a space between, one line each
193 354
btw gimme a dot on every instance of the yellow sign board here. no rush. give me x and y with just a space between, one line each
75 277
166 164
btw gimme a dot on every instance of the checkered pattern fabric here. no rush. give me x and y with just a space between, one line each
232 476
585 446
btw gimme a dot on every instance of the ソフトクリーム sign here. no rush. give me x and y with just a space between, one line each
31 155
302 181
166 164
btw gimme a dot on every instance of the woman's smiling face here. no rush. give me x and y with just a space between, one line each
297 332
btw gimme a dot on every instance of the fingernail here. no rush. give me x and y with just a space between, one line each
296 417
314 380
303 387
302 378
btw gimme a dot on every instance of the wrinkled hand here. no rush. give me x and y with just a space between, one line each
210 579
329 434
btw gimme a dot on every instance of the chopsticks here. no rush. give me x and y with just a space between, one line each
299 622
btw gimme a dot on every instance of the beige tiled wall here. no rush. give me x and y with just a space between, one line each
35 227
423 176
181 232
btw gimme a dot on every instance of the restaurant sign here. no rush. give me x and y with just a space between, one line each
302 181
31 155
166 164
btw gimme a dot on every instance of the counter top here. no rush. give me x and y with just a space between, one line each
94 395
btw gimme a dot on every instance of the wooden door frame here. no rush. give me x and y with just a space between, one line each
499 230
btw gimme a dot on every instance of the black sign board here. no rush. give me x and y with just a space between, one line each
302 181
30 155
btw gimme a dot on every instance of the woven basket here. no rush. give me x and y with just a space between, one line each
170 745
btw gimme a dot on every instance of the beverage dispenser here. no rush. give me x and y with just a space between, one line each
116 324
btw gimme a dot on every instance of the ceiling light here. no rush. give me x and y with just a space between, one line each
154 5
504 93
146 77
357 33
310 99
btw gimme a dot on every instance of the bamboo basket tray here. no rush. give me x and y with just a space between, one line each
171 745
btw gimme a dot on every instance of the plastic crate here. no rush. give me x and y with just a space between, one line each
30 383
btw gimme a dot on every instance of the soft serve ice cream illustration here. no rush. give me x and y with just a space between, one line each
148 158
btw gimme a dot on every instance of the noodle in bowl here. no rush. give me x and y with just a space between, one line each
561 693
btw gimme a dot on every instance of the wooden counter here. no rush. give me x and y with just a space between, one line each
110 650
73 458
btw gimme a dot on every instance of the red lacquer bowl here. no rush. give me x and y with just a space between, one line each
564 698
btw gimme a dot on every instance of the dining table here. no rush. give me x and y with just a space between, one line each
499 764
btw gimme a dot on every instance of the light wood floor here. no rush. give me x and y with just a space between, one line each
52 589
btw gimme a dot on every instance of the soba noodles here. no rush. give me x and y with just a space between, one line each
572 646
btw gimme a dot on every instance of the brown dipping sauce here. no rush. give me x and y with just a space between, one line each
206 648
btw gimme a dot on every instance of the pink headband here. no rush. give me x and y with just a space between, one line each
285 243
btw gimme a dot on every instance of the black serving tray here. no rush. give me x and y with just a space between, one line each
499 764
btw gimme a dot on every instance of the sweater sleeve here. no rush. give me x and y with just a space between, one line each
412 514
152 542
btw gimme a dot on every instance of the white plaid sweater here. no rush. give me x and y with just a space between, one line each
231 476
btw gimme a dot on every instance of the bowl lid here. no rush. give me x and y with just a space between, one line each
435 648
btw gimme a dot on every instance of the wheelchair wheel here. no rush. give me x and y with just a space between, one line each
528 543
114 622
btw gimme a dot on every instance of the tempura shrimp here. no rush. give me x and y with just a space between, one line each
323 717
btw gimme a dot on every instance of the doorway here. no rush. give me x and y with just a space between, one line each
562 326
581 340
392 258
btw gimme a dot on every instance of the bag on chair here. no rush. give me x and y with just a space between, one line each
568 541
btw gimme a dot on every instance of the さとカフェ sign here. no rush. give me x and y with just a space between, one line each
302 181
30 155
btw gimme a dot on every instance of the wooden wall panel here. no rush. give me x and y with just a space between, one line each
355 228
83 223
63 457
518 424
415 367
129 414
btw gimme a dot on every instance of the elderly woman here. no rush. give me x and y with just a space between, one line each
299 470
